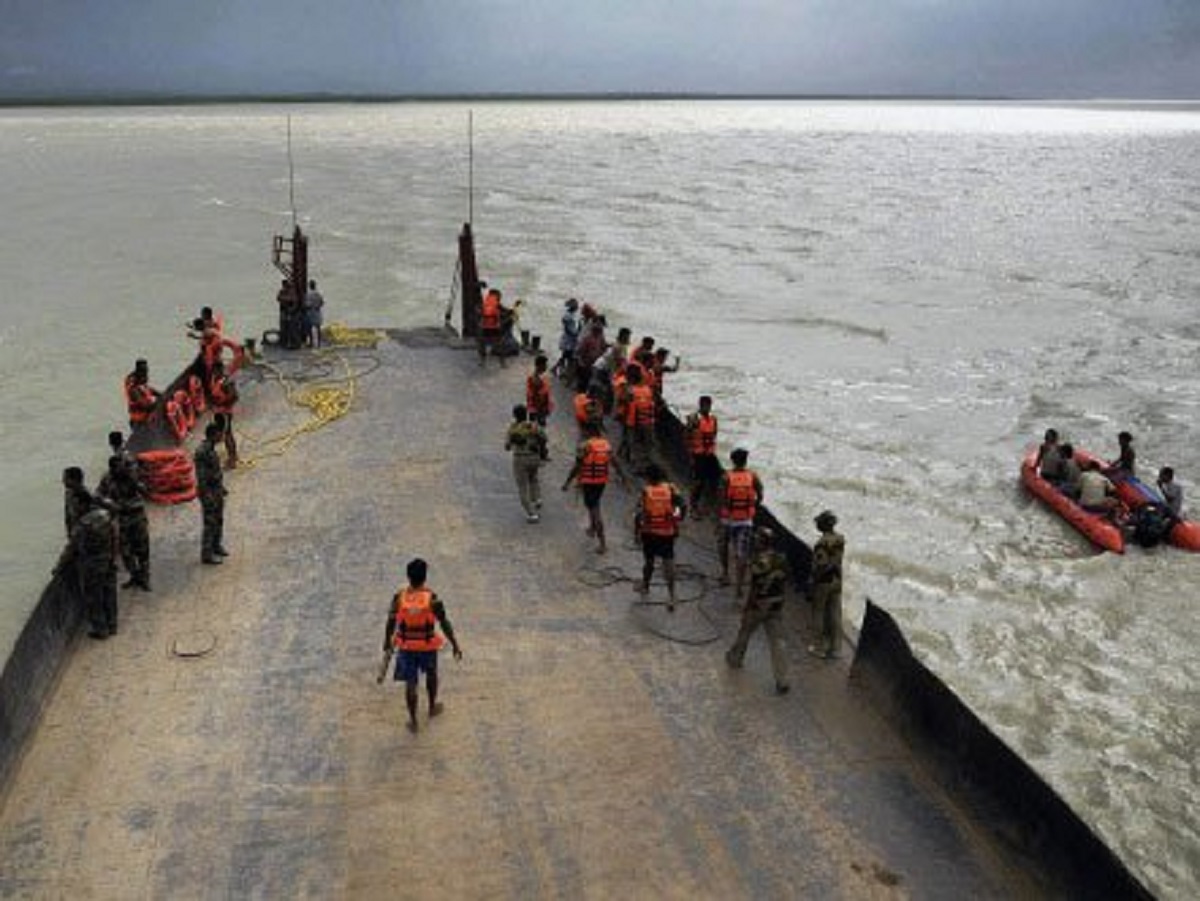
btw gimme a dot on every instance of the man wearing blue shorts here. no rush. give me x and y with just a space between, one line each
413 632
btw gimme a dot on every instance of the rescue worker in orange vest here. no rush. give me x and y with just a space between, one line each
659 511
589 410
223 391
701 433
640 418
491 310
140 398
412 632
594 463
538 401
740 493
660 367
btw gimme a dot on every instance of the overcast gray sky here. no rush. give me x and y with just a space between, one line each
1037 48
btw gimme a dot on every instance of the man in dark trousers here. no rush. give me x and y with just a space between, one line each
210 485
764 607
91 552
413 633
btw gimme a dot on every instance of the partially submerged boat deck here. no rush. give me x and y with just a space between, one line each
231 741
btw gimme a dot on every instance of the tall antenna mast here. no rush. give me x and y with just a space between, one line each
291 173
471 166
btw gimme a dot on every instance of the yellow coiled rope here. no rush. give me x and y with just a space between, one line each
326 402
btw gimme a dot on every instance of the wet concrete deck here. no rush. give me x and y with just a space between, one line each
580 755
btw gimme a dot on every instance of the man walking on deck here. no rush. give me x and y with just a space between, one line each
412 632
593 460
827 587
210 485
659 511
764 607
527 442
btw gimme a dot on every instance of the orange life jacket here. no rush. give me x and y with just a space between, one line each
195 389
702 440
176 419
139 400
593 470
183 401
620 395
641 407
224 395
740 497
658 510
585 409
537 394
489 315
416 623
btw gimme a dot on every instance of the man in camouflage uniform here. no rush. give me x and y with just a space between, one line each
827 587
121 490
76 499
210 485
764 607
91 553
527 442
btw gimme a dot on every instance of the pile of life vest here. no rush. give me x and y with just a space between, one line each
184 406
169 475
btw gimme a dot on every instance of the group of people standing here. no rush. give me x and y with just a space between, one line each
1090 482
617 385
110 524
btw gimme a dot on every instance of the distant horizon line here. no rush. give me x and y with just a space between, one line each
149 98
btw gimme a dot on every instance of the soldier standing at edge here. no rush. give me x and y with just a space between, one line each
210 484
92 551
827 587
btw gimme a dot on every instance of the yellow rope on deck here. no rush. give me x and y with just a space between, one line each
326 402
342 335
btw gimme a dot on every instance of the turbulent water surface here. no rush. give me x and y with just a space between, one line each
888 301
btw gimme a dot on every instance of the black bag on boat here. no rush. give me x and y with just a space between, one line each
1151 525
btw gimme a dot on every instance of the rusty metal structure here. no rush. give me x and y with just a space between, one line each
290 257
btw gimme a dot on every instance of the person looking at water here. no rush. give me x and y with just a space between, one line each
700 431
314 316
140 398
1050 459
417 628
77 500
591 348
740 494
827 586
660 367
91 553
568 340
640 419
491 309
1171 491
123 495
1126 462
